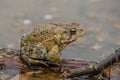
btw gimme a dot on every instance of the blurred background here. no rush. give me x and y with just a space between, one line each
99 18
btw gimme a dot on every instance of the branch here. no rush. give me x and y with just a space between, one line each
96 69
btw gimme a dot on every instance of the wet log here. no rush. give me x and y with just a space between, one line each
13 68
93 70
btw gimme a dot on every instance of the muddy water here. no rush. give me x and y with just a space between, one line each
99 18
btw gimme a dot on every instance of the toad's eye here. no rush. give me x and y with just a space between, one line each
73 31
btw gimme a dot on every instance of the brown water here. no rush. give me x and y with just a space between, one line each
100 19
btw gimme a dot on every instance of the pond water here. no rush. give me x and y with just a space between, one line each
99 18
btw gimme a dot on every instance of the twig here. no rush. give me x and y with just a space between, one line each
96 69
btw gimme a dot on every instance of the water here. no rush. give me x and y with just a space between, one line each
100 19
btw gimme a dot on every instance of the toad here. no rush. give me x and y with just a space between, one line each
43 45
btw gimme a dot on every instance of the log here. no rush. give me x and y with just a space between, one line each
13 68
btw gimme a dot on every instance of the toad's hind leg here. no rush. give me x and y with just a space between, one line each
32 62
33 54
37 51
53 55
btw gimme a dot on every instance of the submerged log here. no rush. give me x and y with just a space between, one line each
13 68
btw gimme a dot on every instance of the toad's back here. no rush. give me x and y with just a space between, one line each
44 34
46 42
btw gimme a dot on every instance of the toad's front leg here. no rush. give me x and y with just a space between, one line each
53 55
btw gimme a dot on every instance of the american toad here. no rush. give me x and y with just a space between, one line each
44 44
